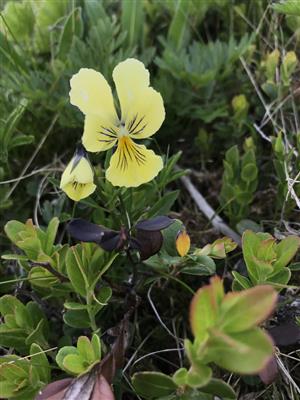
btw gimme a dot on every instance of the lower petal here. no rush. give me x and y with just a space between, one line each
77 191
99 134
132 164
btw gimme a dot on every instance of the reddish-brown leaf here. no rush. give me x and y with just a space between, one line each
102 390
55 390
269 374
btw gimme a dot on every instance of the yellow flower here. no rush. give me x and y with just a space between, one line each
142 113
77 178
183 243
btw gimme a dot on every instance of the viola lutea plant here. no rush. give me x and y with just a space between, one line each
71 316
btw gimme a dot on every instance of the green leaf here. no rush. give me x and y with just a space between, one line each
219 388
76 270
233 158
69 305
96 343
285 251
19 257
242 280
249 172
180 376
199 265
179 29
77 319
132 21
199 375
40 362
169 238
20 140
51 235
75 364
8 304
62 353
153 384
7 389
295 266
243 310
204 308
257 269
85 349
247 224
289 7
73 27
22 317
40 277
10 57
12 230
163 205
19 17
9 128
245 352
280 277
95 11
13 337
37 335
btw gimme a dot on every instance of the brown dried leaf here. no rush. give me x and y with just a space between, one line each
55 390
102 390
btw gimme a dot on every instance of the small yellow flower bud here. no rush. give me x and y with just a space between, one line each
77 178
183 243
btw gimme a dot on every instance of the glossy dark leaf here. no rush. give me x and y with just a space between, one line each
111 241
155 224
149 243
285 334
85 231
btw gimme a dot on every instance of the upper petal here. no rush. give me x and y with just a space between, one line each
130 77
146 115
132 164
91 93
99 134
141 106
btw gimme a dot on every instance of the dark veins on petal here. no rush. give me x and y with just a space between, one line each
128 150
136 125
109 133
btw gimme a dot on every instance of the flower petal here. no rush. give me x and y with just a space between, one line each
99 134
78 191
77 182
130 77
91 93
132 164
142 107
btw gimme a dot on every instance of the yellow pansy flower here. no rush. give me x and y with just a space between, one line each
142 113
77 178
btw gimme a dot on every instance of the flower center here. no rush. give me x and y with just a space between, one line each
123 131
